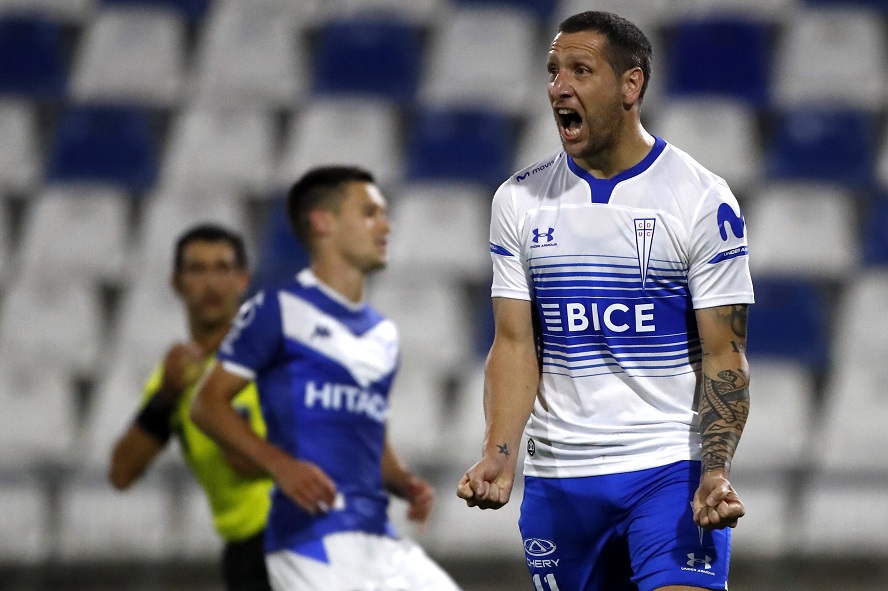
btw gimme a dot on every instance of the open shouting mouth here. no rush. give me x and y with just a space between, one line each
570 123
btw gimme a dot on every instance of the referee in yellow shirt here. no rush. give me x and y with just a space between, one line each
210 276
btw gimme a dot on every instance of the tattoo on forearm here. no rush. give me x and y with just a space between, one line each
738 318
504 449
724 407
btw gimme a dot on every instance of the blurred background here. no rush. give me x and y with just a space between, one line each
122 122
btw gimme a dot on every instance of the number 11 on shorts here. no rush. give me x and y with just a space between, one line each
550 580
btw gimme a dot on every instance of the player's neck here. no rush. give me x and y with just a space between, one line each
631 147
208 337
343 278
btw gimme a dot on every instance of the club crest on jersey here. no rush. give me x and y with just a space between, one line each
644 239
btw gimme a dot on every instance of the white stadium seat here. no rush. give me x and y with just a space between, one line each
539 139
344 131
76 232
69 11
219 147
484 58
770 525
441 227
200 541
858 338
787 228
20 158
25 509
845 519
248 56
832 56
720 134
416 406
460 443
52 322
133 55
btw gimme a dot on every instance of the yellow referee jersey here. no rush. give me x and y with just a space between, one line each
239 504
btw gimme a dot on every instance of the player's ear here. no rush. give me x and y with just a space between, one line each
633 81
321 221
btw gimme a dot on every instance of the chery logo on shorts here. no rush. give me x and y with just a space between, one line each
538 547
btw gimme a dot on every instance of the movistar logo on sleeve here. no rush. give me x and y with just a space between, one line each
727 215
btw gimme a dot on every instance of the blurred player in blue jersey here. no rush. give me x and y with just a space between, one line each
620 292
324 362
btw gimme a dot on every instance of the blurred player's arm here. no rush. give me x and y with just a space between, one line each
148 435
212 412
511 381
401 482
723 410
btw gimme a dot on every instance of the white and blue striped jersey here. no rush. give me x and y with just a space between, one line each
615 269
323 367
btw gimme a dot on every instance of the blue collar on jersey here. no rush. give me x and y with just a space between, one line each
602 188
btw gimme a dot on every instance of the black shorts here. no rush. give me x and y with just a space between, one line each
243 565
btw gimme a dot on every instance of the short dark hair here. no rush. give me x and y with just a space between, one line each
319 188
210 233
627 45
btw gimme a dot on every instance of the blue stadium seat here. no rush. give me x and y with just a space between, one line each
375 57
877 4
727 57
542 9
789 322
193 10
460 146
32 58
108 145
280 256
823 145
875 232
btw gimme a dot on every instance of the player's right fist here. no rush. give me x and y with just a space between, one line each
182 367
306 484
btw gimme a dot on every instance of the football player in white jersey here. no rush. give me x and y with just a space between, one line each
323 362
620 293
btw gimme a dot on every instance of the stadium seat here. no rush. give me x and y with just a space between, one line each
484 58
375 57
539 9
418 12
248 57
881 5
460 146
416 406
863 300
133 56
301 15
823 145
788 323
5 244
231 149
349 131
844 518
25 509
65 11
539 138
99 523
76 232
776 11
769 526
721 134
432 315
39 420
832 57
193 10
441 227
720 57
783 406
803 230
280 256
59 322
648 16
32 58
200 542
875 232
20 155
461 442
882 164
108 145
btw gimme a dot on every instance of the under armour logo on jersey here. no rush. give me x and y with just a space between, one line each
644 239
321 332
706 561
727 215
549 236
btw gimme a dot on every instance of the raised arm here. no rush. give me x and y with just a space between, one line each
212 412
510 387
723 409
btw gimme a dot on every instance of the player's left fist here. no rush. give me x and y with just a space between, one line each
716 504
421 498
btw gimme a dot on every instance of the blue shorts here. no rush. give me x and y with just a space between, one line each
620 532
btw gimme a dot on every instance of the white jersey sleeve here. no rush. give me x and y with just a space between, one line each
509 275
718 273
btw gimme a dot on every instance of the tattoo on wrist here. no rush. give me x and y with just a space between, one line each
724 408
504 449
